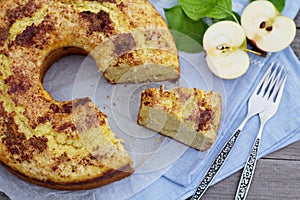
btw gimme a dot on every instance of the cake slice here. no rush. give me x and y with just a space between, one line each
188 115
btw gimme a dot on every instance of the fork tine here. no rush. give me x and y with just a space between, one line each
276 76
278 81
273 82
268 81
279 91
263 79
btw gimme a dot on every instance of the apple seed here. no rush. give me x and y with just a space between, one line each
223 47
262 25
269 28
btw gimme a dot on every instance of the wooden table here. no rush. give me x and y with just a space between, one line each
277 175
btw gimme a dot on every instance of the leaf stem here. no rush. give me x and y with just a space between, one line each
229 12
234 17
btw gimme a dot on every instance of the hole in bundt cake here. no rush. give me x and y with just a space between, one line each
58 54
63 74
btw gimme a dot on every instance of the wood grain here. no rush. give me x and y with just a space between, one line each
273 179
292 152
277 175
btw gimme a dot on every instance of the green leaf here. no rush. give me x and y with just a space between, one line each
231 18
196 9
279 4
187 33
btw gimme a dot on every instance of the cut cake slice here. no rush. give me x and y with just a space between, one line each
189 115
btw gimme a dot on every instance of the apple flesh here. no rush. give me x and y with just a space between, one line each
223 43
266 28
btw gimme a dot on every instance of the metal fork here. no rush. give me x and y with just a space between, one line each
258 102
264 116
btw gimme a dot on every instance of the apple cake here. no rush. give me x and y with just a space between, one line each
69 145
189 115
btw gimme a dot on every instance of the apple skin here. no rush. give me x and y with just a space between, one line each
223 43
266 28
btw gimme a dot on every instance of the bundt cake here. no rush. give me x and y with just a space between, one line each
69 145
189 115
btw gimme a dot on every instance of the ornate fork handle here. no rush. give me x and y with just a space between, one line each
248 172
250 165
216 166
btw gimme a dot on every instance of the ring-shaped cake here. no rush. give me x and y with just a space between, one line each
69 145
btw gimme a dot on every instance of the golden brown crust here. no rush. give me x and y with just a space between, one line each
69 145
109 177
191 116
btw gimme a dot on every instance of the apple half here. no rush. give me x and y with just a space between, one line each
266 28
223 43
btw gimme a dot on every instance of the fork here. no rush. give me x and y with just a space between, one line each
257 103
264 116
